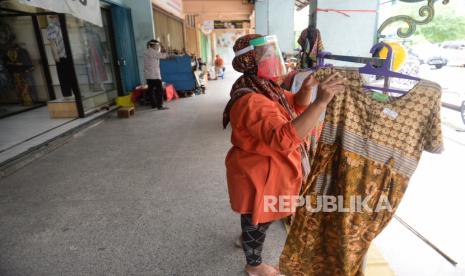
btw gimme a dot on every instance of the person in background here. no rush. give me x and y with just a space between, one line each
152 74
194 63
200 63
219 65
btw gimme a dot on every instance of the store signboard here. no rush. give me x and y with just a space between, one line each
207 27
232 24
88 10
171 6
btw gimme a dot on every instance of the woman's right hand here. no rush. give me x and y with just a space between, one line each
326 91
329 87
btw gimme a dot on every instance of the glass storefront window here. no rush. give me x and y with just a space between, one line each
93 61
22 82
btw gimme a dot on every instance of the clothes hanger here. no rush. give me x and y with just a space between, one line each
384 71
383 67
364 60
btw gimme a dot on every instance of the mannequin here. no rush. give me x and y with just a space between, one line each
19 64
62 62
6 40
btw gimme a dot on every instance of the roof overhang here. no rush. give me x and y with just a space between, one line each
300 4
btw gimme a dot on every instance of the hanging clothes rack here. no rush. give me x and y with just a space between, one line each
373 66
363 60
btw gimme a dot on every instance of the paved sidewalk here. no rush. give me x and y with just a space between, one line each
140 196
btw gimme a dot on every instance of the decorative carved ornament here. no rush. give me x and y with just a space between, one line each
426 12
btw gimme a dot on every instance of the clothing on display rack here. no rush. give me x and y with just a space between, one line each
311 42
55 37
98 73
19 65
369 150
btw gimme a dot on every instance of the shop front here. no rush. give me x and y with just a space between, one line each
69 64
205 47
169 24
24 80
59 71
192 41
225 34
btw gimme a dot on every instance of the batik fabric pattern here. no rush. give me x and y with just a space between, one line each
367 149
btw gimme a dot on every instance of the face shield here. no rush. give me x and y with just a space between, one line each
268 58
157 47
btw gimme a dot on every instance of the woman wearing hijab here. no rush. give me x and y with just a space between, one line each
268 158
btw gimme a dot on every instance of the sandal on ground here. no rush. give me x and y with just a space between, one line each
277 272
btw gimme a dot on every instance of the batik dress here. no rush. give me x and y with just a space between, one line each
368 150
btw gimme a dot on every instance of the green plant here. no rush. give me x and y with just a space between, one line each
444 28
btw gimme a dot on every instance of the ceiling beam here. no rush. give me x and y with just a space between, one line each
203 7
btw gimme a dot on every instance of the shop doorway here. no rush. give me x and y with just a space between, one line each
125 47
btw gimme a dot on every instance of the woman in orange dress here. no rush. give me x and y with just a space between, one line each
219 65
267 161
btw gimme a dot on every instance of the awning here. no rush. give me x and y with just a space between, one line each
88 10
300 4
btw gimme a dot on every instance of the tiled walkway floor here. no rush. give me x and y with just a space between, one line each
139 196
20 127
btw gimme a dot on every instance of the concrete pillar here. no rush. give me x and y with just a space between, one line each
214 52
276 17
348 35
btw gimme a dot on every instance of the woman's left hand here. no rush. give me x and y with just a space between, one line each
308 84
304 96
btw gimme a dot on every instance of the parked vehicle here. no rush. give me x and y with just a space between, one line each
437 61
454 52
